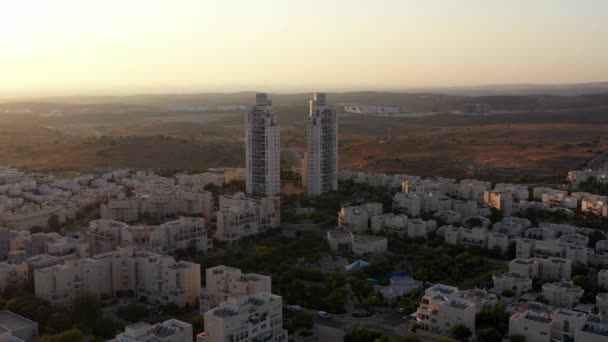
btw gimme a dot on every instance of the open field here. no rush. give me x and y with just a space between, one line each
538 145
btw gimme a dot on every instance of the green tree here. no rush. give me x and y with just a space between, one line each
489 335
460 332
54 223
106 328
86 309
133 312
198 324
172 309
73 335
363 334
303 320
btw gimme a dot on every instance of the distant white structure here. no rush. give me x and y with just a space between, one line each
247 318
499 199
369 244
158 278
550 269
320 166
224 281
356 218
171 330
183 233
513 282
262 149
359 109
440 309
562 293
248 218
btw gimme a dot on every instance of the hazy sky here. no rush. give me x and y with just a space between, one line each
58 47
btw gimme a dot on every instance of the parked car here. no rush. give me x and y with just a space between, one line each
295 308
361 314
323 314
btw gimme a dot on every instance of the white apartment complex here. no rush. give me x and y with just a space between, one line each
246 318
320 165
440 309
262 149
171 330
183 233
357 218
255 217
221 282
157 278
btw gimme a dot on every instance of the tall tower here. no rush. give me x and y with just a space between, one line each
320 168
262 149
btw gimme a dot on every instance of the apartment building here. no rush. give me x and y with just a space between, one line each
357 218
501 200
158 278
519 192
171 330
470 189
549 269
512 282
528 248
440 310
236 223
478 237
562 293
602 279
221 282
512 226
236 200
171 201
448 216
13 276
408 203
183 233
320 164
246 318
538 323
369 245
262 149
339 239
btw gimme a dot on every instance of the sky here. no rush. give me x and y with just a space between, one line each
104 47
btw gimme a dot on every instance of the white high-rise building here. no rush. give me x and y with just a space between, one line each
320 167
262 149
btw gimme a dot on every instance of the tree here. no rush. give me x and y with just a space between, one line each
460 332
303 320
489 335
106 328
172 309
86 309
73 335
579 280
198 324
363 334
54 223
133 312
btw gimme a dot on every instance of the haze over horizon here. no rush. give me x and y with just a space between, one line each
111 47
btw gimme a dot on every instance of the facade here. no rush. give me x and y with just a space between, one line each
13 276
356 219
407 202
183 233
158 278
246 318
562 294
238 222
262 149
362 244
221 282
501 200
513 282
172 330
339 239
320 165
550 269
440 309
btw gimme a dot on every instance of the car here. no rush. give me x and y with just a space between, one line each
295 308
401 310
361 314
323 314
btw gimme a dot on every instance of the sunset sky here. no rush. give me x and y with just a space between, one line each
74 47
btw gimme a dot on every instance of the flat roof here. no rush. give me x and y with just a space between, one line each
12 321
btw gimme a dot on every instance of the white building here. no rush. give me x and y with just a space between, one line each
501 200
513 282
407 202
320 165
172 330
538 323
562 293
221 282
440 310
246 318
550 269
16 328
339 239
262 149
356 219
369 244
13 276
236 223
158 278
